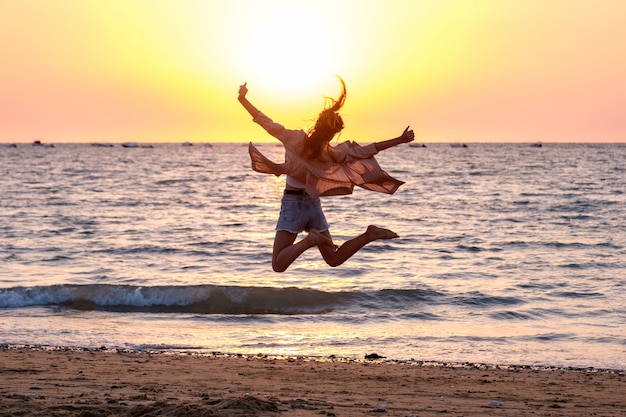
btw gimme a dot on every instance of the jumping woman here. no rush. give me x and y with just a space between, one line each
315 169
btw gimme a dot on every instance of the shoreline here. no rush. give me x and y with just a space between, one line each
104 382
372 358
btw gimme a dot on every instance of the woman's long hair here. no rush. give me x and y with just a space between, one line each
328 124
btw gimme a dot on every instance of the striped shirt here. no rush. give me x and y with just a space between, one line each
336 172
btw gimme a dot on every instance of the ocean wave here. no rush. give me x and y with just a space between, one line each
480 300
207 299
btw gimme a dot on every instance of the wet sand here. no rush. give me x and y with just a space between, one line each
69 382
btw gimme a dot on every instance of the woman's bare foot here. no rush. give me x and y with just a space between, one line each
375 233
319 239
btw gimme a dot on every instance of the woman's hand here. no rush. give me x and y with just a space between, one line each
407 136
243 90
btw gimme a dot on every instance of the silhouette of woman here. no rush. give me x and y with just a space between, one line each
314 169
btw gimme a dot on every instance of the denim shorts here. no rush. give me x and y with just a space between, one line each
301 212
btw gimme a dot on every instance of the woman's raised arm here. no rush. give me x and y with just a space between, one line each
406 137
243 90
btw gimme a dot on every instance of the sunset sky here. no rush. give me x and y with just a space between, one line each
455 70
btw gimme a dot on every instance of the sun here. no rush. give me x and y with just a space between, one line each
289 50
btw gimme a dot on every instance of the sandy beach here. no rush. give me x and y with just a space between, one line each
70 382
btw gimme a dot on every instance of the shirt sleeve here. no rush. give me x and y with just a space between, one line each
287 136
350 151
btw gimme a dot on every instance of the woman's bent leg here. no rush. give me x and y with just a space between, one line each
285 251
336 256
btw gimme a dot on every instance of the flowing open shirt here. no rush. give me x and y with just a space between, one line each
341 167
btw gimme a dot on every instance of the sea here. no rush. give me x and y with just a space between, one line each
508 254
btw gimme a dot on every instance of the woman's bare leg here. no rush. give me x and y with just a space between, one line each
336 256
285 251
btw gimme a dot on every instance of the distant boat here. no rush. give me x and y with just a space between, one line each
416 145
458 145
129 145
43 145
536 145
102 145
187 144
11 145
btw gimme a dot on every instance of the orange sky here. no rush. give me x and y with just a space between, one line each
455 70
